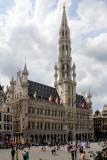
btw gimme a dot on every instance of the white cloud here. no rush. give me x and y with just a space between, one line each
92 14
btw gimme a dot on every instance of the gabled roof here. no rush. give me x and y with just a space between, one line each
80 100
46 91
42 90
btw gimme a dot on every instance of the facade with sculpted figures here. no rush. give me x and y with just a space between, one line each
44 113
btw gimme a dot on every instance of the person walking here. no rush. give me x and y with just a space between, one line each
72 153
75 151
16 153
27 155
24 155
83 156
29 145
13 153
81 150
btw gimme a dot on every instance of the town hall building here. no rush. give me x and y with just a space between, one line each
43 113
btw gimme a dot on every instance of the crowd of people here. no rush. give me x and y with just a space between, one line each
15 148
71 147
74 147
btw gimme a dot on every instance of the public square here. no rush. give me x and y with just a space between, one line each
36 153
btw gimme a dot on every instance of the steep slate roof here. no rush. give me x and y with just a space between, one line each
42 90
80 100
46 91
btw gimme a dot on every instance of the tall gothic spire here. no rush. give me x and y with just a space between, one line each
64 19
66 81
64 29
64 49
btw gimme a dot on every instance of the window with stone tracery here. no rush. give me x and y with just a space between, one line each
66 33
63 33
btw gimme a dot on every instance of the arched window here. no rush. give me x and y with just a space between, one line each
62 33
62 71
63 47
69 101
66 33
62 67
67 50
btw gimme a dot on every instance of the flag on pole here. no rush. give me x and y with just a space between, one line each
50 98
34 95
83 105
57 100
61 101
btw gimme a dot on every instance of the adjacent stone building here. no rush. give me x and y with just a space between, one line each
100 124
6 119
68 115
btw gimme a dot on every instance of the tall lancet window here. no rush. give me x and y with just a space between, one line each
67 50
63 49
66 33
62 33
63 71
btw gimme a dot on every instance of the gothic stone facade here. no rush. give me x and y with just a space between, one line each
6 118
35 119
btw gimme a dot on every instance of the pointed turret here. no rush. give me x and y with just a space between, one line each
89 94
25 67
89 101
25 73
24 82
12 79
55 75
74 73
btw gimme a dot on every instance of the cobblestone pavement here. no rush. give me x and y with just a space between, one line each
37 154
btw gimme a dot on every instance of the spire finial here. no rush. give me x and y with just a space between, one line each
25 67
64 5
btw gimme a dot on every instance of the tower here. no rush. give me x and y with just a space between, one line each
66 85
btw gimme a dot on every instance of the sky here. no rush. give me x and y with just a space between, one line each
29 32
